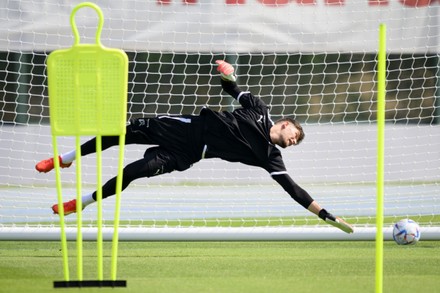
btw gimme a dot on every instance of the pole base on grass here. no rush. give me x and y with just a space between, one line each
89 283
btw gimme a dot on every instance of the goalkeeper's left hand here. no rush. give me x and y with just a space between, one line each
226 70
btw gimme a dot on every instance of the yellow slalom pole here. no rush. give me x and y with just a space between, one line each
118 208
79 238
61 211
381 90
99 238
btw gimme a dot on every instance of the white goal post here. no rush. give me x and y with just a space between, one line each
314 60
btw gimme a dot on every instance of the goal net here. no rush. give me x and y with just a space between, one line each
311 59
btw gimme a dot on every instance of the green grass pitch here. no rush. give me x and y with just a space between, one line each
300 266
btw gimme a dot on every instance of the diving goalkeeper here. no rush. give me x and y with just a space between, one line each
246 135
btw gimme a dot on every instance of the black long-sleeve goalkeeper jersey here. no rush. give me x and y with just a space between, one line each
244 136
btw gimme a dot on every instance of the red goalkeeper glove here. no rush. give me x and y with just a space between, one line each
226 70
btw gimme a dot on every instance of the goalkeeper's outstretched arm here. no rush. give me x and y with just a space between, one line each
303 198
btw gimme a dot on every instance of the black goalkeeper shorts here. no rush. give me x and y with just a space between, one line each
179 139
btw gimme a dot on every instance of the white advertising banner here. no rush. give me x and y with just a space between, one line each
413 26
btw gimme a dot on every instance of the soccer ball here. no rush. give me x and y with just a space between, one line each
406 232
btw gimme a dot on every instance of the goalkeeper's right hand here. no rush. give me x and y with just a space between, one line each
226 70
335 221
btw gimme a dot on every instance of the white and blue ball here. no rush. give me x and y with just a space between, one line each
406 232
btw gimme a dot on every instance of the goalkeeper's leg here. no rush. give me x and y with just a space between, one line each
132 136
156 161
48 164
66 159
131 172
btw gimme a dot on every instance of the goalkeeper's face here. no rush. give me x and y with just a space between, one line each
285 135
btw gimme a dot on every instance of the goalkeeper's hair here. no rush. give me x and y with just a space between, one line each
297 126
